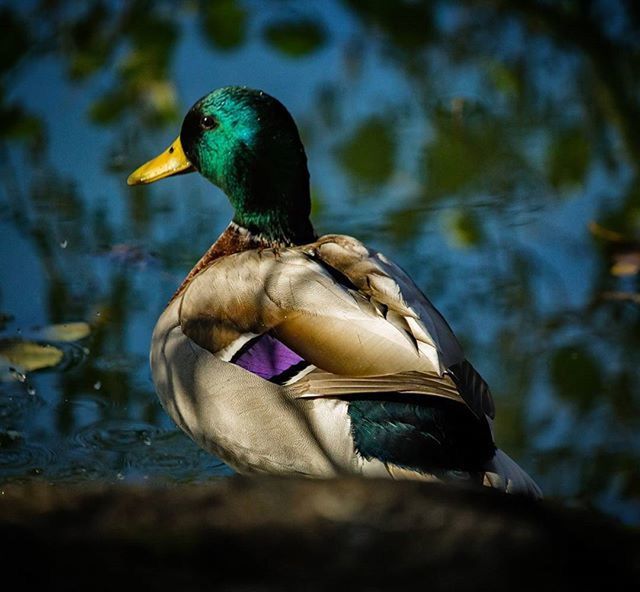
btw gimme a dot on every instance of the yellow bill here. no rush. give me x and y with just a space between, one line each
172 161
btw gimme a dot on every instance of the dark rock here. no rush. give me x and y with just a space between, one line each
274 534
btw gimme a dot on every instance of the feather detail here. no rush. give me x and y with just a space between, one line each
338 306
402 474
472 387
324 384
505 474
385 282
254 292
235 347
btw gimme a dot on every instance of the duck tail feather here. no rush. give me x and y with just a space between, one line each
504 473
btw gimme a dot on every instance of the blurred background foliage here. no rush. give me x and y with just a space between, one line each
492 147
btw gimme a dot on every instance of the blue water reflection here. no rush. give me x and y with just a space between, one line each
474 142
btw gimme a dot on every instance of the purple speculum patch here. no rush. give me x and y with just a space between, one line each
268 357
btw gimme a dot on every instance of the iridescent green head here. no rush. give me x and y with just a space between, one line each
245 142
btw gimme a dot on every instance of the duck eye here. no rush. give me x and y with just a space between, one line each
207 122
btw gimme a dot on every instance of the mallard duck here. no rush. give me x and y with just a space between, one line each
289 354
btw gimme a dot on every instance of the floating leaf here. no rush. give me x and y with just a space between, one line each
20 355
626 264
296 38
65 331
624 252
29 355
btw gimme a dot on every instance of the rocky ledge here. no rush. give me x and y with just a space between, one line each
277 534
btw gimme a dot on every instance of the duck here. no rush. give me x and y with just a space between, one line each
287 353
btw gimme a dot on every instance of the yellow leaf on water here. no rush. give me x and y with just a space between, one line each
626 264
65 331
28 355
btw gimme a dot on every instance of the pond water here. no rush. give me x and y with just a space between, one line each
491 148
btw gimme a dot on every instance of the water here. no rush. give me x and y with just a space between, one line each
474 145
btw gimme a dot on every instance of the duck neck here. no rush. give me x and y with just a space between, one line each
276 228
270 195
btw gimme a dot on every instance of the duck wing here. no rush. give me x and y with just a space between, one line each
335 318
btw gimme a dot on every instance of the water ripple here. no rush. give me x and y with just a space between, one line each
16 400
93 402
74 354
172 453
25 459
118 435
76 471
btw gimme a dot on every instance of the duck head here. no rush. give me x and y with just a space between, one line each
245 142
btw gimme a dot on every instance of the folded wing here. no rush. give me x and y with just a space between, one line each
356 319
